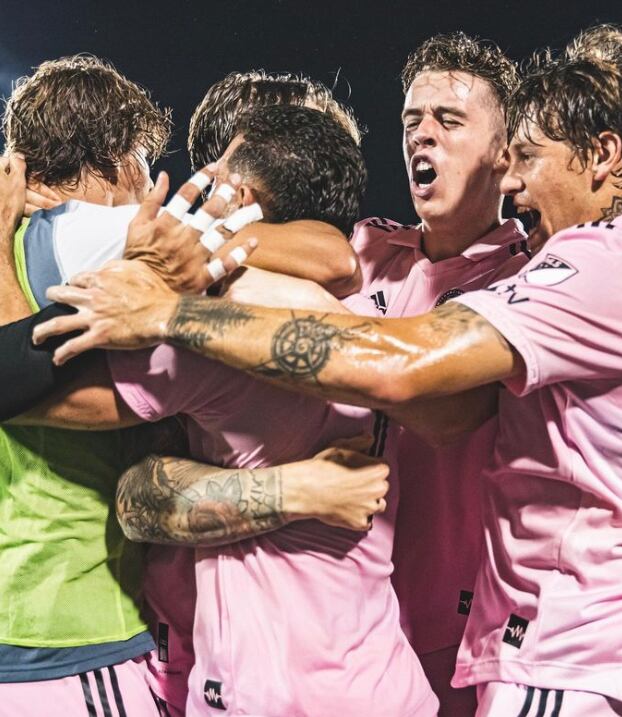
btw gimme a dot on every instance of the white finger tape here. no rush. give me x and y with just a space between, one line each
212 240
238 255
202 220
226 192
242 217
216 269
178 206
200 180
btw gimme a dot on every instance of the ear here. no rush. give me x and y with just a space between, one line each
246 195
607 156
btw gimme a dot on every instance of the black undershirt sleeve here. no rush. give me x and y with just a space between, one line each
27 374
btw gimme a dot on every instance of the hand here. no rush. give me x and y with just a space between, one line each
40 196
339 486
12 195
266 288
178 252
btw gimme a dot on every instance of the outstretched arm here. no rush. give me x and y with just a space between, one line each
180 501
372 362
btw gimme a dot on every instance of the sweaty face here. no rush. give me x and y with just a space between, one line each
549 187
453 140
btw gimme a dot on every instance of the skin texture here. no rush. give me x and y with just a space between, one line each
178 501
454 122
547 176
12 198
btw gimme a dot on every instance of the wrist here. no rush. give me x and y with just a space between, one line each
297 491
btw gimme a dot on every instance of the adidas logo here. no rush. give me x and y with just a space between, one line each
380 301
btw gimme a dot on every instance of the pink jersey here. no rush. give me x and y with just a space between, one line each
438 533
301 621
547 610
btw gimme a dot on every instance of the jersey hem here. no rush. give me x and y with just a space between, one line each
70 642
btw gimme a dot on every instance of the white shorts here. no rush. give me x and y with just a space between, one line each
505 699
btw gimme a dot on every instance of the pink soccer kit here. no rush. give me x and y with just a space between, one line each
301 621
547 610
438 531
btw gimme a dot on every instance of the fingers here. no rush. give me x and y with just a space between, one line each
47 193
72 348
153 202
219 268
17 165
58 326
188 193
36 201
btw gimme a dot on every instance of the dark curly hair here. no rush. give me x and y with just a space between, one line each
78 114
457 52
569 100
302 164
213 123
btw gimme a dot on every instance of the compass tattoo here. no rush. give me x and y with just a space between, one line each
302 347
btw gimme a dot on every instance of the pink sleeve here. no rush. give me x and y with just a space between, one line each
563 311
165 381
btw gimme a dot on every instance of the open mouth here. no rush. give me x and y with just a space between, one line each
423 174
530 219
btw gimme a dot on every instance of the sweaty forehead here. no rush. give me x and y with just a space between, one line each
435 87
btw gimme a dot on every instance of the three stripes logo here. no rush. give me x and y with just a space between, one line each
162 642
380 301
212 692
515 631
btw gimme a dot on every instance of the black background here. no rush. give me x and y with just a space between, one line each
177 49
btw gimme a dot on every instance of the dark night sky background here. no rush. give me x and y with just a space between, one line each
177 49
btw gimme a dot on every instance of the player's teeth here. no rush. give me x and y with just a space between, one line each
422 166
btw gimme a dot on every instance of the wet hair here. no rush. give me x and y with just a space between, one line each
79 114
302 164
457 52
603 42
569 100
213 124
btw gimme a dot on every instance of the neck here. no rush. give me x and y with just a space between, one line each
613 208
444 240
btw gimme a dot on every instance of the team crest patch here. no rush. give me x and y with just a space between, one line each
515 631
212 691
550 271
451 294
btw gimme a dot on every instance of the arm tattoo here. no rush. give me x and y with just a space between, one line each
196 321
453 319
611 212
301 347
183 502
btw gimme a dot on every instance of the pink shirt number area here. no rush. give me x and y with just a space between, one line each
547 609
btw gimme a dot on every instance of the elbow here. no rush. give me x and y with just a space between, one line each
344 277
391 390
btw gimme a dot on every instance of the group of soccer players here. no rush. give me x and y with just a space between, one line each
375 471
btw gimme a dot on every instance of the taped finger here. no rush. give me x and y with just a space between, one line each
178 206
241 217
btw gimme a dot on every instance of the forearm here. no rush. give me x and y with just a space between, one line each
27 372
376 363
13 304
322 253
178 501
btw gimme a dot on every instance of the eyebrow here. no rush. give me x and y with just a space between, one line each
439 110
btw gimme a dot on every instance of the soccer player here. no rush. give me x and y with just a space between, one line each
542 633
